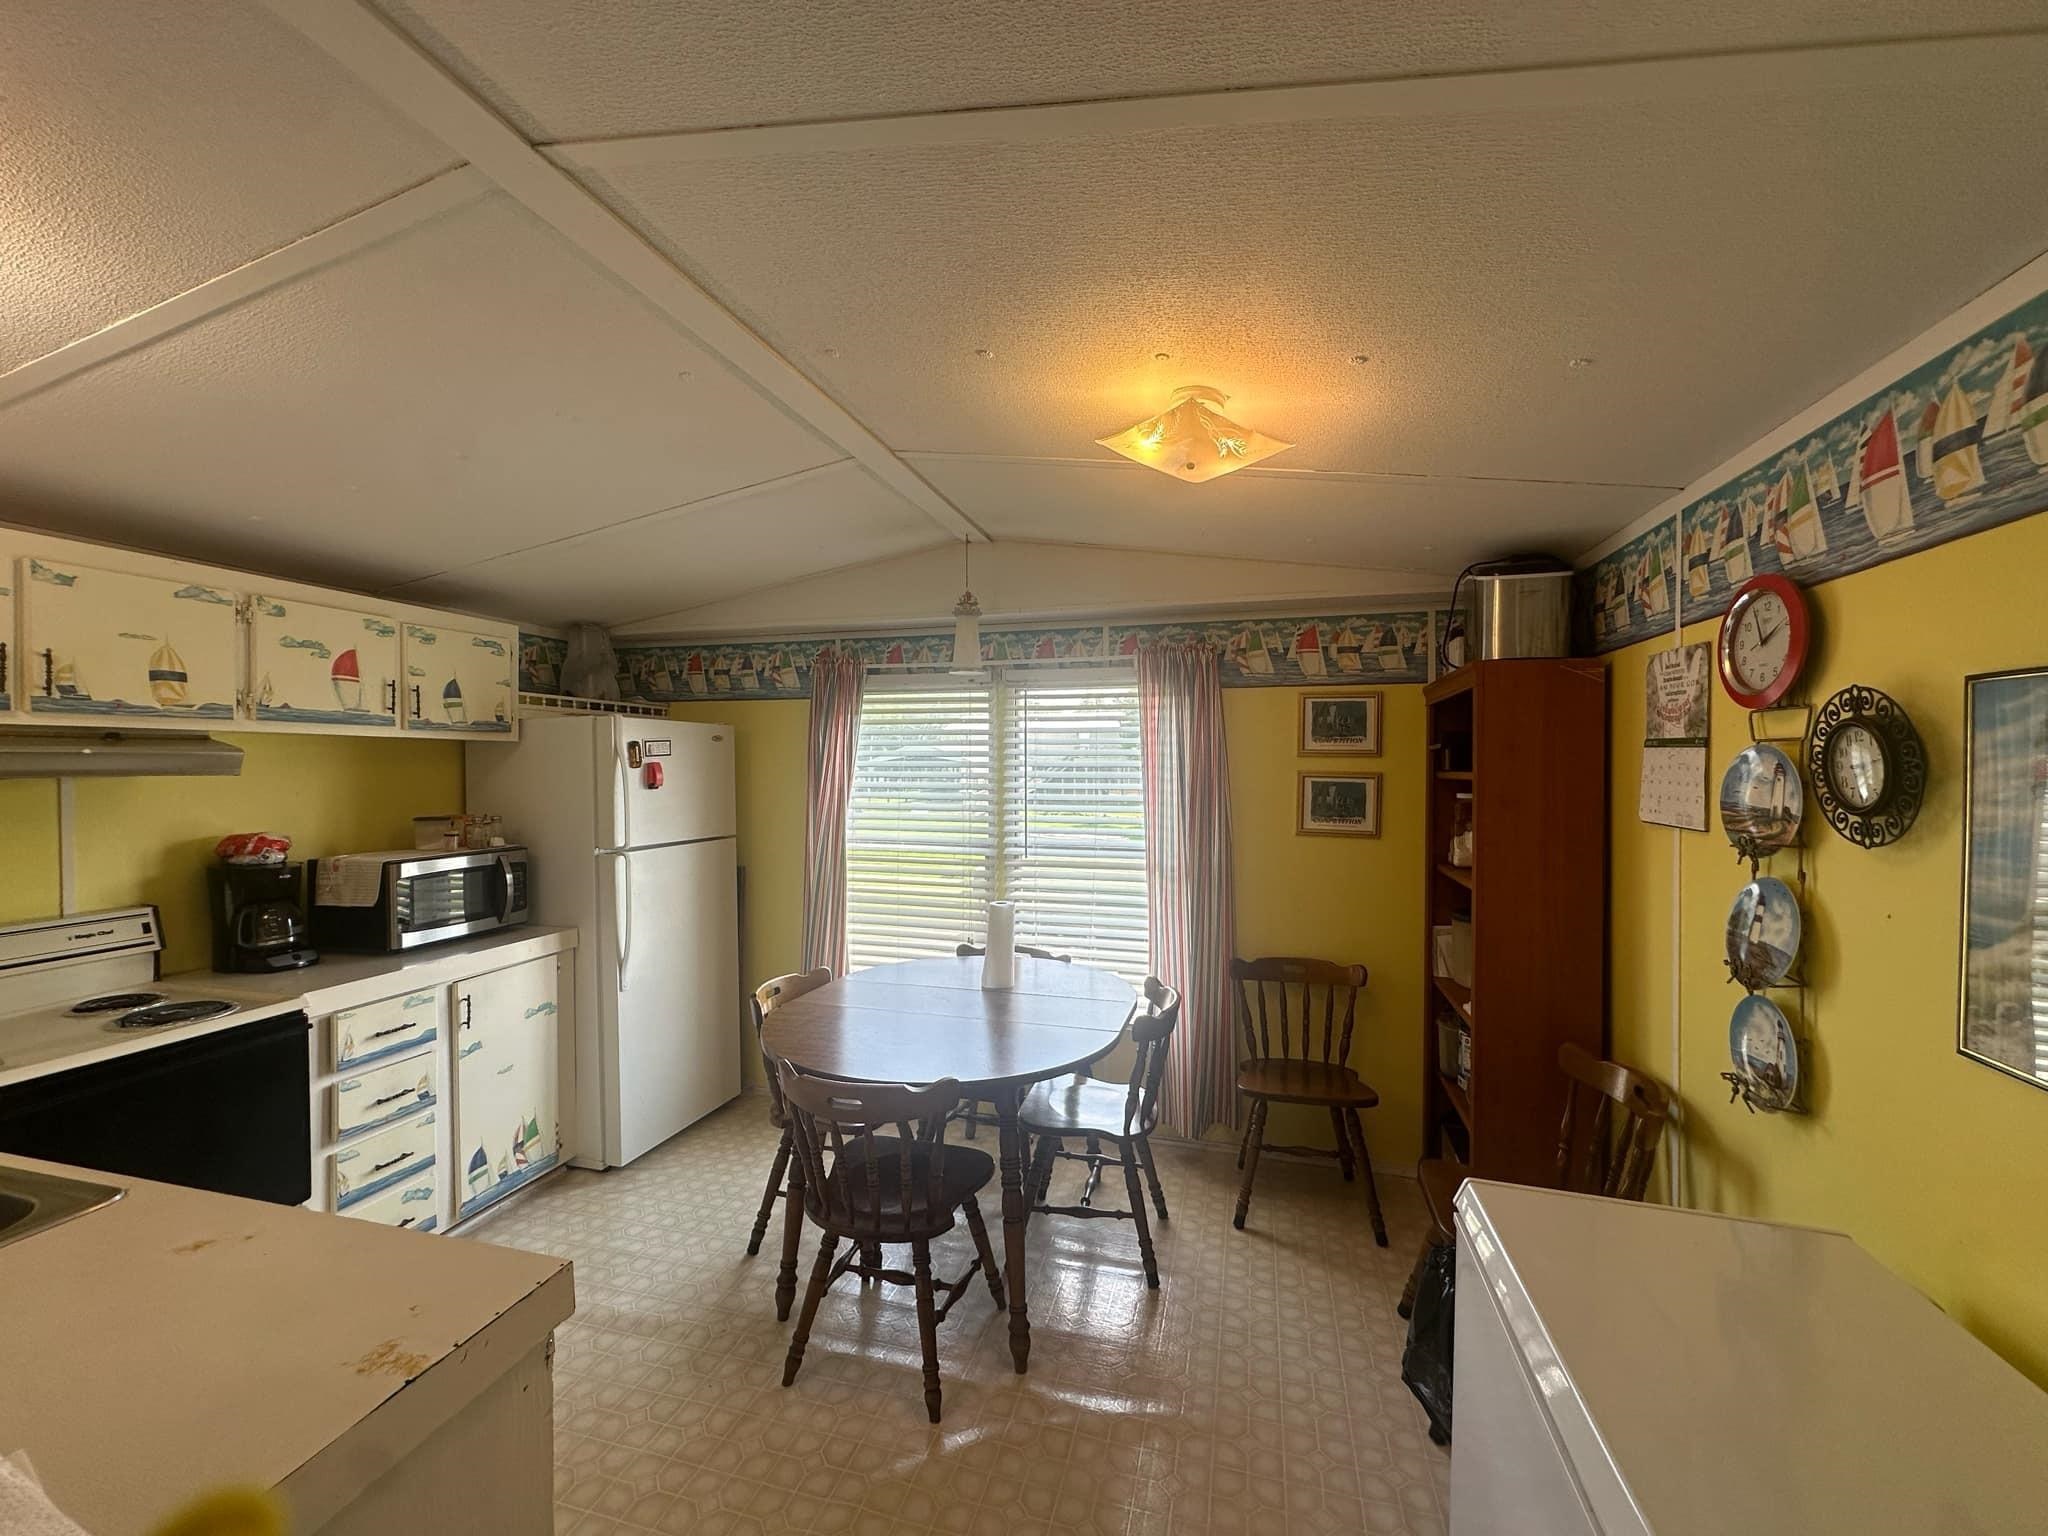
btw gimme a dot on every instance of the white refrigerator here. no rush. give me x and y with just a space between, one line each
630 823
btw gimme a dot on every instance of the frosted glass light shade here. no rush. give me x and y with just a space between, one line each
1192 439
966 636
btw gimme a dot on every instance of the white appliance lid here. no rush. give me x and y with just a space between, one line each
1739 1375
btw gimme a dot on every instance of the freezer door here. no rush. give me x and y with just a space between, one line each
670 992
664 781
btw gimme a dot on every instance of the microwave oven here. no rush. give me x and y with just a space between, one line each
378 903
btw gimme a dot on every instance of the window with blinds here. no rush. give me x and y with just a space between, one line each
1025 791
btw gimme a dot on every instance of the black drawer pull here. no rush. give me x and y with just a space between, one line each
389 1162
392 1098
396 1029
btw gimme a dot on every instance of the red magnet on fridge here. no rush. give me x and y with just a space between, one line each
653 775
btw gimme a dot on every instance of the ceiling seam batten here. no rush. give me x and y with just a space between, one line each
404 76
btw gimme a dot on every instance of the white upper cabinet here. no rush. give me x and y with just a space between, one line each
104 644
310 664
459 681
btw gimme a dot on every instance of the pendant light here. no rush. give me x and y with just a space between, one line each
1192 439
966 622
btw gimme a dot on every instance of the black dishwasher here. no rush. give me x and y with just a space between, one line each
229 1112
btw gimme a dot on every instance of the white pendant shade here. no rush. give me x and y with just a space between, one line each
1192 439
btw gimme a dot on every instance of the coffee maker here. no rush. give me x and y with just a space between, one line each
259 917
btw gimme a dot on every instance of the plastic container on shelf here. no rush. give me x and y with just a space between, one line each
1461 831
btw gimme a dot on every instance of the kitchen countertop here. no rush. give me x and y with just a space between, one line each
42 1044
349 981
178 1340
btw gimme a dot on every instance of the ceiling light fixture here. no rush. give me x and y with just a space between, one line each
1192 439
966 622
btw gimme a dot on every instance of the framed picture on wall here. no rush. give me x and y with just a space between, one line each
2005 871
1338 805
1346 723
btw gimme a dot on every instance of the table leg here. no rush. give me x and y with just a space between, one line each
792 1238
1016 1211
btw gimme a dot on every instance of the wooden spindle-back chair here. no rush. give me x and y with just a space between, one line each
1298 1017
877 1170
1123 1117
769 996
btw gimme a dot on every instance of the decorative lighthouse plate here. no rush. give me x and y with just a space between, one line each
1763 933
1765 1055
1761 801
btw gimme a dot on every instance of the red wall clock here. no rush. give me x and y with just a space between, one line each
1764 637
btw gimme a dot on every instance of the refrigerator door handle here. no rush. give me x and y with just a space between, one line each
620 805
624 915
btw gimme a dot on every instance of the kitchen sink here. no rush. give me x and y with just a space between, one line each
33 1202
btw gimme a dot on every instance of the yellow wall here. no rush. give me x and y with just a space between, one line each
1937 1165
1350 899
150 839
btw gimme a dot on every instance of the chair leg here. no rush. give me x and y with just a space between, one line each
927 1325
972 1117
792 1241
819 1276
1152 1176
1255 1137
1405 1308
989 1266
1344 1157
1136 1191
775 1177
1245 1141
1372 1190
1044 1155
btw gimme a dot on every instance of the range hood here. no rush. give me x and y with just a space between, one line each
79 754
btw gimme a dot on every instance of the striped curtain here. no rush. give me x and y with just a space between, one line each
836 680
1187 875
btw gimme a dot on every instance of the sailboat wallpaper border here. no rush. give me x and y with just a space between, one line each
1266 652
1956 446
541 659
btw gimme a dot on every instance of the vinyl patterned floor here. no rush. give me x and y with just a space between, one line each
1257 1390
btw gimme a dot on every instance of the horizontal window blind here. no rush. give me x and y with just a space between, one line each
1072 822
920 828
1030 792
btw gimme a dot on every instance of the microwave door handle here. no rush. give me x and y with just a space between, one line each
504 889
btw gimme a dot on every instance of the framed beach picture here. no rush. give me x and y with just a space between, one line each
2005 872
1338 805
1341 723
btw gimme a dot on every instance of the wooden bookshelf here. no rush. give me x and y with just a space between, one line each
1526 740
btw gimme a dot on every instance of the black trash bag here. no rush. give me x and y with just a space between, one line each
1426 1362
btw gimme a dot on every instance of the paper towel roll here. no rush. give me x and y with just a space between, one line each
999 966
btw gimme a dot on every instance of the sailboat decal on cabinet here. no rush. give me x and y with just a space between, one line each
347 677
168 677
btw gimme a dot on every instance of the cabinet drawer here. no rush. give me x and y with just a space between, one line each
381 1030
413 1203
382 1094
372 1163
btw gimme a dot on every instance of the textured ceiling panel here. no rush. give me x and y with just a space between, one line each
151 147
693 555
468 388
596 69
1724 258
1434 527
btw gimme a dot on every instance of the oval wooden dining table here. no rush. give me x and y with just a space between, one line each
918 1021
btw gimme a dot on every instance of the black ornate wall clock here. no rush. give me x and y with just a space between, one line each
1868 767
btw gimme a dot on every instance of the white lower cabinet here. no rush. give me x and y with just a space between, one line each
433 1103
507 1110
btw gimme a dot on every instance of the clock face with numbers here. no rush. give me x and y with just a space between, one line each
1763 641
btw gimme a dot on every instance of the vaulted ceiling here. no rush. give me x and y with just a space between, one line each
626 311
